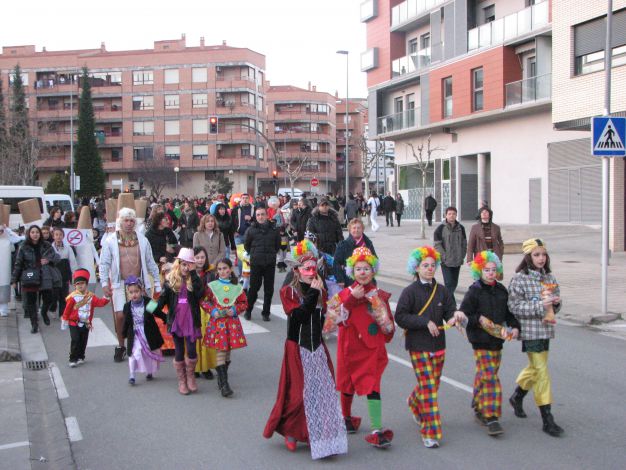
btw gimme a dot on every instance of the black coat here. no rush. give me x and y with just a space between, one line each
27 259
262 243
158 242
304 323
412 299
170 298
342 253
430 203
492 303
238 215
389 204
224 222
190 221
150 328
327 229
299 220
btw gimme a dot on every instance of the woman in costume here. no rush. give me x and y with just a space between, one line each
306 408
206 356
534 298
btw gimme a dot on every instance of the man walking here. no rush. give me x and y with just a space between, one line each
242 218
430 203
451 243
324 223
389 206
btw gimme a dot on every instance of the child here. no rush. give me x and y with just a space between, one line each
307 409
206 355
244 259
485 305
423 309
224 301
361 351
182 293
141 331
168 343
78 314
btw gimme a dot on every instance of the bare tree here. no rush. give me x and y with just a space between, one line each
293 166
369 157
157 173
423 157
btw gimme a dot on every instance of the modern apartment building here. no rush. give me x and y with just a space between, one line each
354 131
475 79
152 105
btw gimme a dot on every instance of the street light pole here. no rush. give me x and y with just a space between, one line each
72 177
176 170
347 155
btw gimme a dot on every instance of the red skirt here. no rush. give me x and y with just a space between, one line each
224 334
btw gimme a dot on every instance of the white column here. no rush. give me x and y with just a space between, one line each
481 164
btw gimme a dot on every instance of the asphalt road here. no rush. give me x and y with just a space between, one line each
151 426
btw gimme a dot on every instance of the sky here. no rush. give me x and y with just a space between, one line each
298 37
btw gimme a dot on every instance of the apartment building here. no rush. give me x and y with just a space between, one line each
578 94
151 105
473 78
354 131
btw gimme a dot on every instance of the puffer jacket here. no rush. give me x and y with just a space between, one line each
327 228
159 239
451 243
262 242
299 221
26 259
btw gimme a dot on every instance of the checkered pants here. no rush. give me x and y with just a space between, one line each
487 399
423 400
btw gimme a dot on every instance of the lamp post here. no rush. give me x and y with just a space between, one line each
176 170
346 156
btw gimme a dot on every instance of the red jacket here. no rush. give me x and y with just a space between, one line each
70 314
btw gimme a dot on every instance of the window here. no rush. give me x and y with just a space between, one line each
425 41
445 170
142 153
172 152
413 46
248 98
172 127
200 126
171 76
143 77
98 79
247 150
489 13
260 126
172 101
199 75
477 89
447 97
143 102
199 100
261 152
116 155
200 152
594 62
259 104
143 128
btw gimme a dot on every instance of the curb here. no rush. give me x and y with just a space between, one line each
602 319
9 340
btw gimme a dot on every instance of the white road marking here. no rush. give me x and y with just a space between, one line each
250 328
101 335
57 380
13 445
613 335
73 431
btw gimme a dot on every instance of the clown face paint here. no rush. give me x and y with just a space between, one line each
489 273
363 272
426 269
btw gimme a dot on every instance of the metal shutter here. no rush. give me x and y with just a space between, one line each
534 200
558 195
469 196
591 207
590 36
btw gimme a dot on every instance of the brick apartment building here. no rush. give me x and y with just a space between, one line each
356 129
152 104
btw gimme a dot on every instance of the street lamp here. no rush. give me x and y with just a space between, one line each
176 170
347 189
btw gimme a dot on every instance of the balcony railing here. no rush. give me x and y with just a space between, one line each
410 9
509 27
399 121
411 63
529 90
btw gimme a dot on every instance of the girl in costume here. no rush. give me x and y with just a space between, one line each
306 408
141 331
485 305
244 258
182 293
365 325
168 343
425 310
224 301
206 356
533 293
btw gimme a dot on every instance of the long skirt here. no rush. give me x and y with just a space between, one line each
206 356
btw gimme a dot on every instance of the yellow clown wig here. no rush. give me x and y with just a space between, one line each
480 261
361 254
420 254
304 251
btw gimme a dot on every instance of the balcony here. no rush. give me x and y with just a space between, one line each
411 9
509 27
410 63
529 90
396 122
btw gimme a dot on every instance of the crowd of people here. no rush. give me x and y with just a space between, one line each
181 277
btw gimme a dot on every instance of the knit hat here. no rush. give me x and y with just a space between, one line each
186 254
303 251
80 275
361 253
420 254
480 261
529 245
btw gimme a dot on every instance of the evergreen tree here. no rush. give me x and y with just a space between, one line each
87 161
58 184
21 148
3 139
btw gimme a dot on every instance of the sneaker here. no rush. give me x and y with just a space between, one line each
72 364
352 424
266 317
247 315
378 439
149 377
430 443
131 381
120 353
494 428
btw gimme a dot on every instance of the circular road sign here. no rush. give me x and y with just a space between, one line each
314 182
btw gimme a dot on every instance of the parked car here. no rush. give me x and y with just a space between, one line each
12 195
62 201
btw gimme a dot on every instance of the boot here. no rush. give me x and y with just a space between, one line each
549 426
46 318
182 377
227 363
516 401
190 366
222 375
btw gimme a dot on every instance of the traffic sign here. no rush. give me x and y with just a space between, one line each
74 237
315 182
608 136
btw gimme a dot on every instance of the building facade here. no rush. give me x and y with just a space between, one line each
354 132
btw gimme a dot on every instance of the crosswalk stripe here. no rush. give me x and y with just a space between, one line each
101 335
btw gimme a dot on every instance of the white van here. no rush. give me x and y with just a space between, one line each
62 201
11 195
287 191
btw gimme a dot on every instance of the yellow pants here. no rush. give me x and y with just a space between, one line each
536 377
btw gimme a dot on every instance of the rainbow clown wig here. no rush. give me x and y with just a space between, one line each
361 254
303 251
420 254
480 261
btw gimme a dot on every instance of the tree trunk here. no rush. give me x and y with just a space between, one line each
423 229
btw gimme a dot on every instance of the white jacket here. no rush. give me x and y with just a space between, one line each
110 264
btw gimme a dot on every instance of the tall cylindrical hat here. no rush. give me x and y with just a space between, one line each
125 200
30 210
5 213
141 206
84 220
111 210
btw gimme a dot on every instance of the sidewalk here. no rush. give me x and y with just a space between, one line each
574 255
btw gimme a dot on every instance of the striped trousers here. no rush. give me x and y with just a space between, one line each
423 401
487 398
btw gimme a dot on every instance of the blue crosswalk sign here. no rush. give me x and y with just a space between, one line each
609 136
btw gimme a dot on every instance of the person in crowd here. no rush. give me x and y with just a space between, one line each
303 412
126 253
533 295
224 301
211 239
46 234
162 239
242 215
69 220
206 356
78 314
66 265
451 243
225 224
144 339
300 218
345 248
188 222
351 209
425 309
389 206
483 203
56 218
486 306
430 204
8 249
399 208
485 235
325 224
373 203
99 224
262 243
276 217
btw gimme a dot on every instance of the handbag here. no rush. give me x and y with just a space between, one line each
31 277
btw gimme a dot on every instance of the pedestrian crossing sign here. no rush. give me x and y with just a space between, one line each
609 136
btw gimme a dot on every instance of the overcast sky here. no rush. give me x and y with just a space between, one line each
298 37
